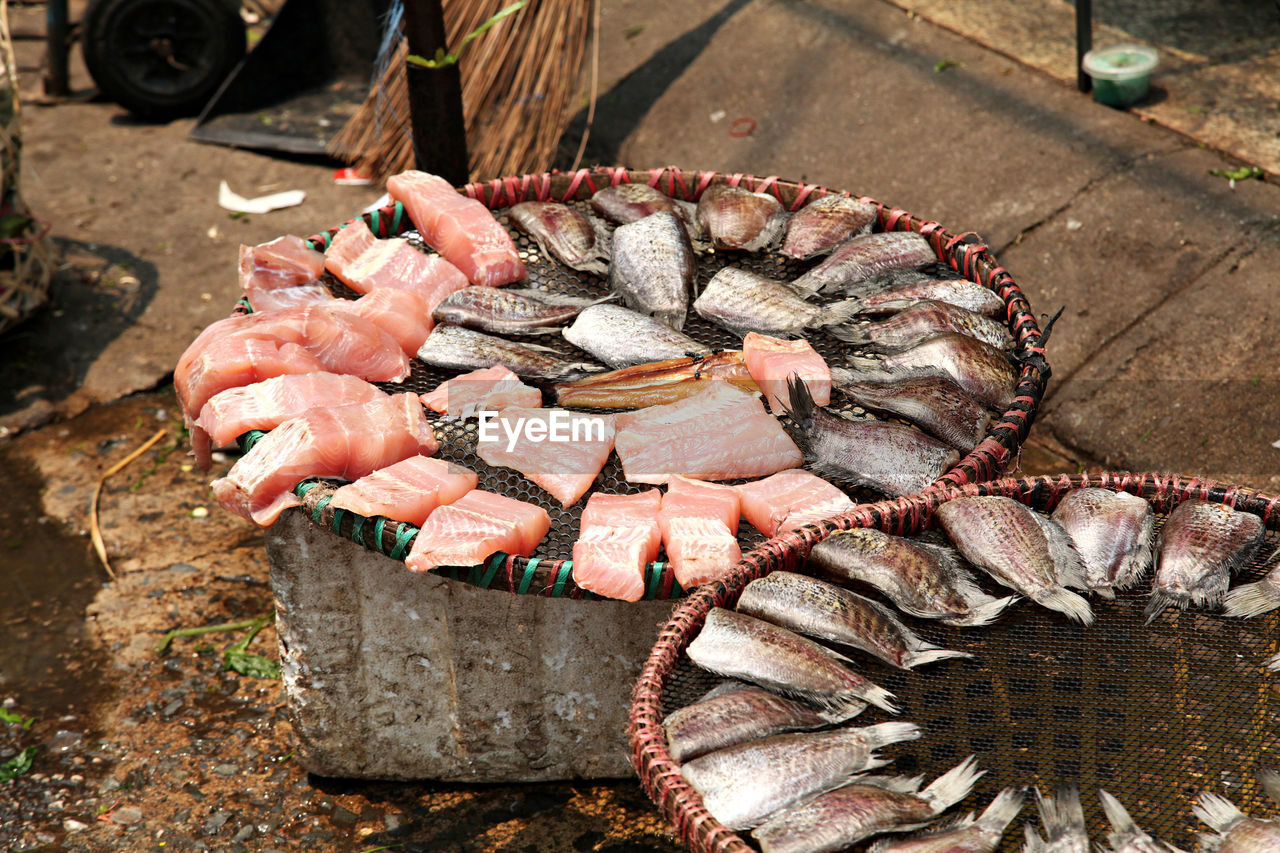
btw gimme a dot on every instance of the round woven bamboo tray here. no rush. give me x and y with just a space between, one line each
549 573
1153 714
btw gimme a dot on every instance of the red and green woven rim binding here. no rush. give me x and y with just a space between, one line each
963 252
680 804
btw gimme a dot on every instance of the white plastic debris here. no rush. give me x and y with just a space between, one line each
229 200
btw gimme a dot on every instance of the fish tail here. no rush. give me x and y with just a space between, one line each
878 696
953 786
801 401
1065 601
863 365
841 711
1104 590
986 613
1217 813
1003 809
1270 781
929 654
835 315
1061 813
884 734
1162 600
1272 663
1118 816
1035 844
1252 599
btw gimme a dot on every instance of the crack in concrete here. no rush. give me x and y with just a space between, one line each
1120 167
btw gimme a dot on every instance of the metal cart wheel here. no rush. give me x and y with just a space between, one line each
161 59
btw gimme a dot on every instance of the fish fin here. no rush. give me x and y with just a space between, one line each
953 786
1067 563
1061 814
1253 599
800 405
1272 663
857 336
1209 843
883 734
1217 813
1065 601
1001 811
1134 565
984 613
934 830
835 315
879 697
930 654
1034 843
843 712
1270 781
895 784
1117 815
1162 600
1103 590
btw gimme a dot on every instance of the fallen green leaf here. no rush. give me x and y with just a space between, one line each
19 764
1241 174
442 59
167 639
944 65
13 718
632 32
237 214
239 659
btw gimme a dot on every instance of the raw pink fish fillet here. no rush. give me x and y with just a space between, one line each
267 404
720 433
235 362
772 361
561 451
690 498
285 298
347 442
790 499
340 341
474 528
365 264
700 549
490 389
617 540
283 262
407 491
403 314
460 228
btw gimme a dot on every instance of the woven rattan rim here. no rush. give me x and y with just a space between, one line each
963 252
679 802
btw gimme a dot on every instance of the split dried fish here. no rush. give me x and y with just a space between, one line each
895 294
1233 830
1063 820
927 317
1126 836
509 311
844 816
653 267
743 301
924 580
568 235
1201 545
1020 549
655 383
824 223
1254 599
1114 532
966 835
620 337
889 457
980 369
744 784
735 218
739 646
628 203
735 713
819 609
456 348
936 404
860 258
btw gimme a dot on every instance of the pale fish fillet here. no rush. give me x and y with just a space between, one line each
460 228
283 262
232 363
619 538
475 527
347 442
365 264
720 433
285 298
700 550
265 405
489 389
561 451
408 490
403 314
790 499
772 361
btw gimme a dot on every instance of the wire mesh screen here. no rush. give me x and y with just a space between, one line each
1154 714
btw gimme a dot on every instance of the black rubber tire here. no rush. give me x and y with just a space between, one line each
161 59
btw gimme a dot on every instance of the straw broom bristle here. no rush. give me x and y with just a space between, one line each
518 80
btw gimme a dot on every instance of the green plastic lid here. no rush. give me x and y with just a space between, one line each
1120 62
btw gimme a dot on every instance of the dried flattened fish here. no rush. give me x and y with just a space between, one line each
819 609
860 258
980 369
456 348
568 235
824 223
927 317
924 580
744 784
655 383
508 311
653 267
966 835
627 203
897 294
1233 830
620 337
1020 549
1201 545
735 218
743 301
1114 533
936 404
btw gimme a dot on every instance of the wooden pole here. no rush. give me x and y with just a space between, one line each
1084 42
57 30
435 97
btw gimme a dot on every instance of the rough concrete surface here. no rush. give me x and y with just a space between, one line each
1165 358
